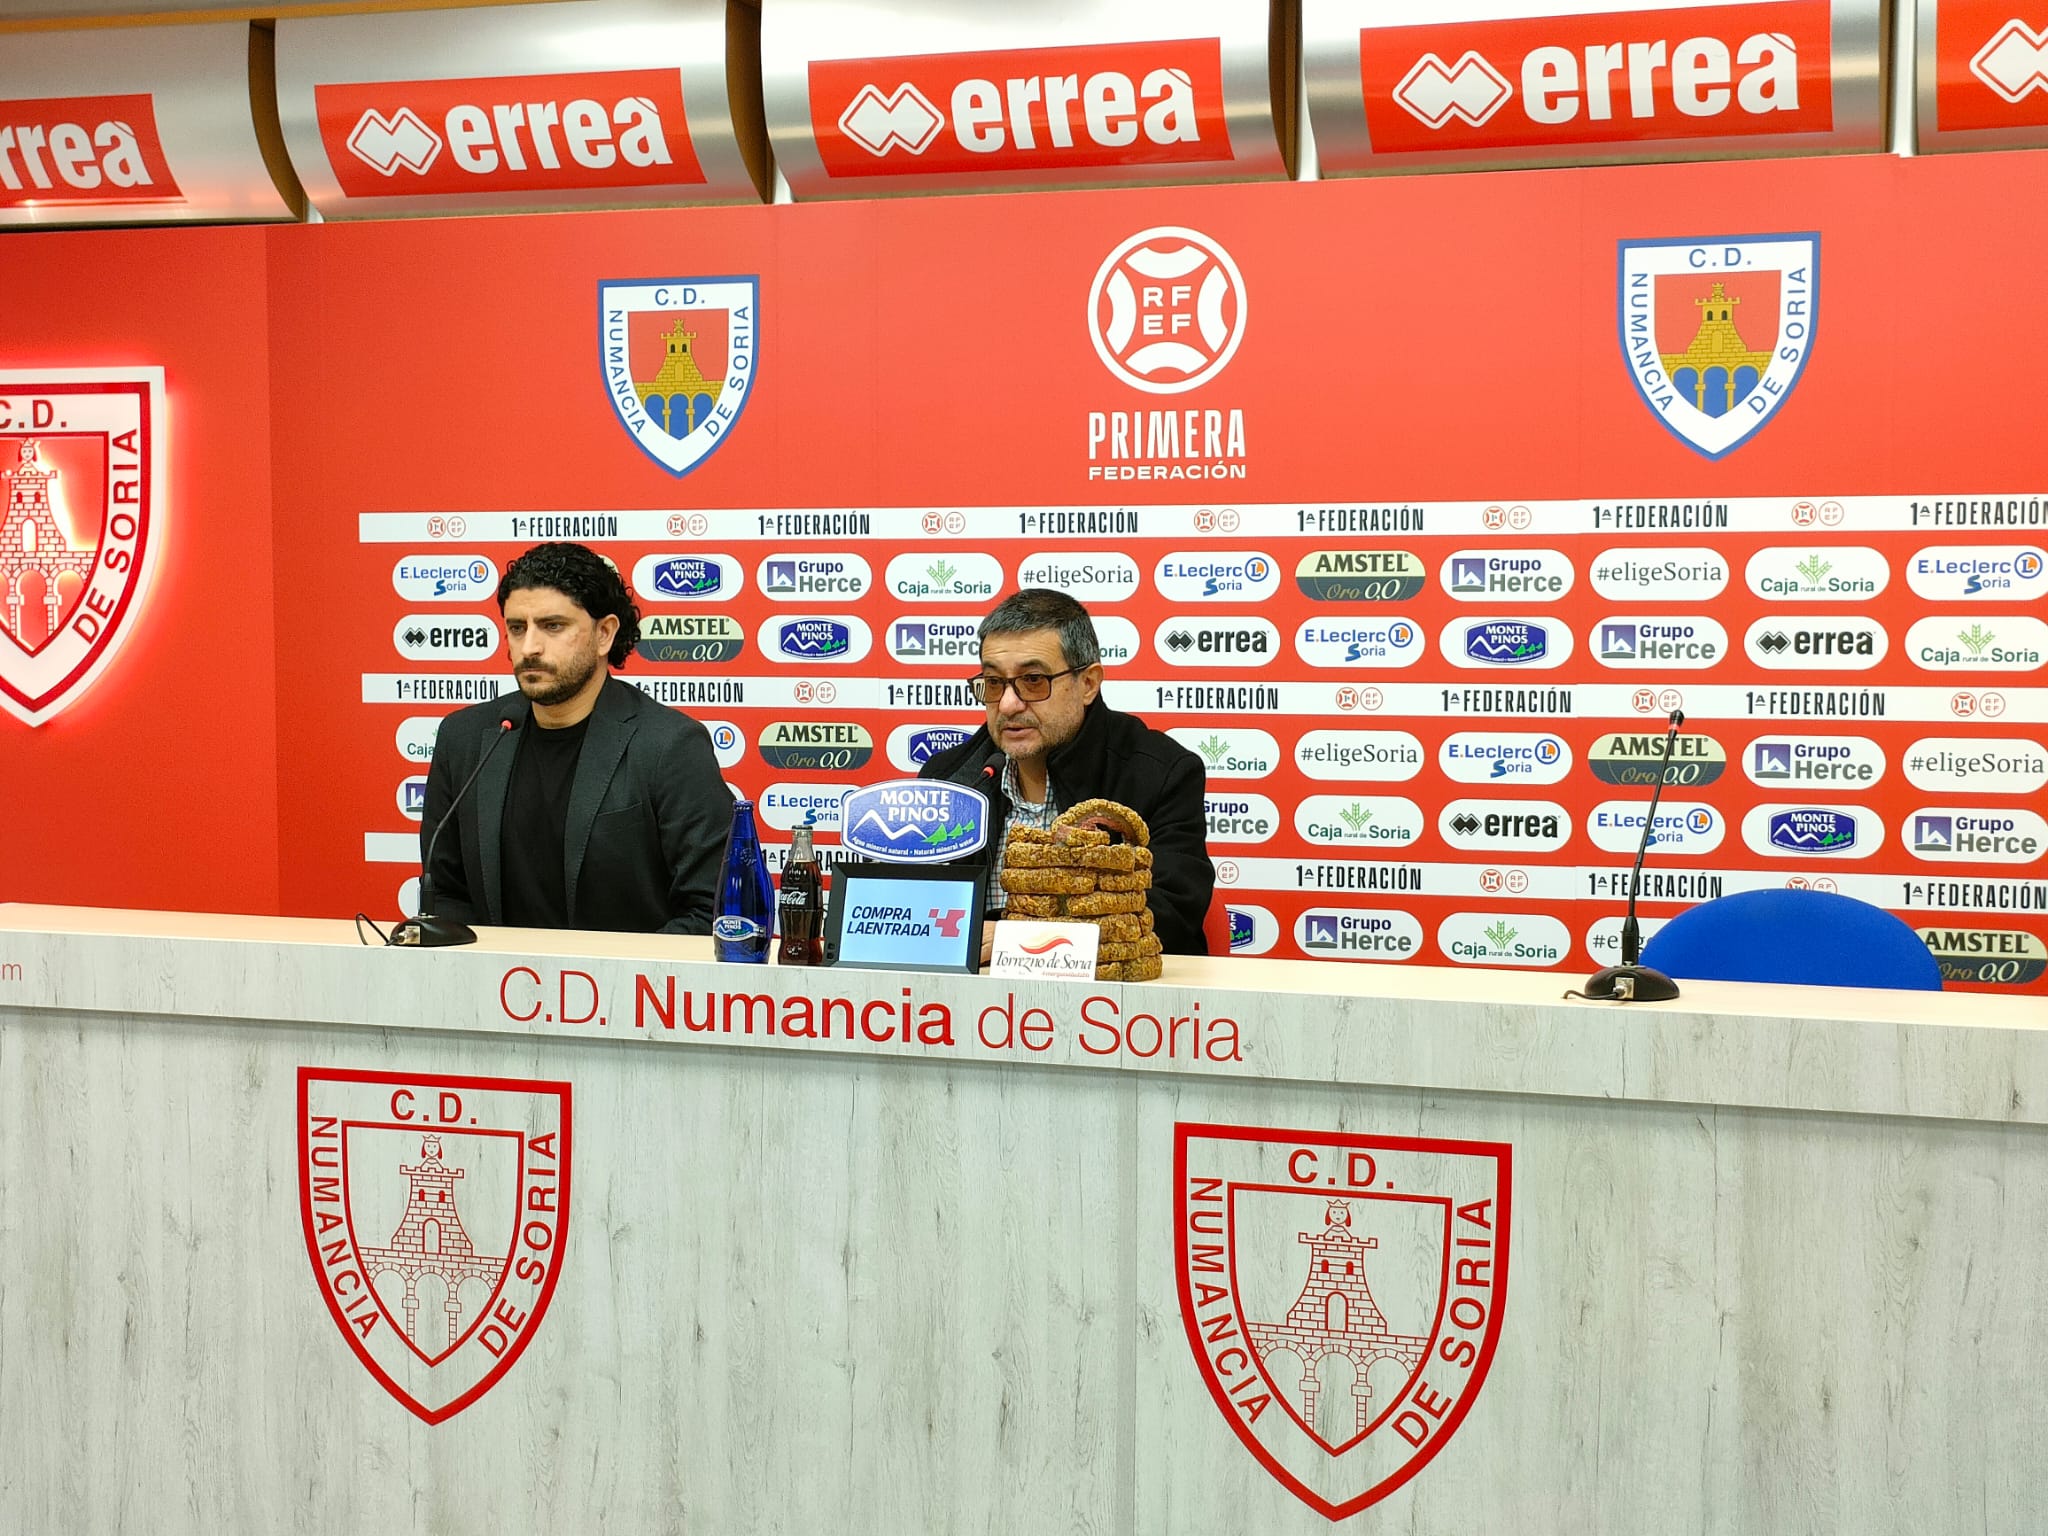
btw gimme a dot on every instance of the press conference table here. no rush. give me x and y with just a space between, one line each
584 1233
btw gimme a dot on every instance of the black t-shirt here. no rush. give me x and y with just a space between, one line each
531 835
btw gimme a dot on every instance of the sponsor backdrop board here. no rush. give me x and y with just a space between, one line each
1414 531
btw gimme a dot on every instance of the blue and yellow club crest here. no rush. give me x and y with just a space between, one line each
679 356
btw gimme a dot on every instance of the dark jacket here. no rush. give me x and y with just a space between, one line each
1118 757
645 834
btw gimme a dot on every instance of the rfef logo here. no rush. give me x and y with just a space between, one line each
82 150
678 359
1033 110
1716 332
509 134
1167 310
82 460
913 821
1608 77
1389 1251
435 1211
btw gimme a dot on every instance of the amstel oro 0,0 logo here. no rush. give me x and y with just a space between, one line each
1342 1295
82 454
435 1211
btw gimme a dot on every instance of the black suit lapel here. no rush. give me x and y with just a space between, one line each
491 787
612 724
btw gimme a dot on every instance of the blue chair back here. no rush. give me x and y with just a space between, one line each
1802 938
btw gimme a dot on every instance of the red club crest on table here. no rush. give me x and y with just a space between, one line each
1342 1295
435 1211
81 491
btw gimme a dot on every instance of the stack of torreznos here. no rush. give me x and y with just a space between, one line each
1091 865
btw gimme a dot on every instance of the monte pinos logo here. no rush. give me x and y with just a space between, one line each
435 1209
1716 332
82 479
1342 1295
678 357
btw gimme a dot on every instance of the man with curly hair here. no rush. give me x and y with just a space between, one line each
606 809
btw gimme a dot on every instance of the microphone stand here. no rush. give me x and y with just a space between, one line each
1629 982
428 931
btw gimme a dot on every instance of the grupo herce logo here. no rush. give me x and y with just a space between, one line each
678 356
1665 642
1357 933
1167 310
1970 834
828 577
83 456
1481 575
1389 1252
1716 332
463 1182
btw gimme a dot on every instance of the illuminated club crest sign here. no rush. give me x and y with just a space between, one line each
82 482
679 356
435 1211
1716 332
1342 1295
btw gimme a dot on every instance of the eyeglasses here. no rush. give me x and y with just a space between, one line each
1032 687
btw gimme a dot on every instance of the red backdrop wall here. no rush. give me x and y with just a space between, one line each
1445 343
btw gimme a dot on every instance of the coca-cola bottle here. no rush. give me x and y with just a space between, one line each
746 902
801 905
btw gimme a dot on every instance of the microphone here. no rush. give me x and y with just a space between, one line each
1629 982
428 931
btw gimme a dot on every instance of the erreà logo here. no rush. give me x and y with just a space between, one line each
82 474
463 1182
1716 332
1389 1251
913 821
678 361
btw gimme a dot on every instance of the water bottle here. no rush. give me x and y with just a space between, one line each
746 901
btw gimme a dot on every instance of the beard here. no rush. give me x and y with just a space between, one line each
559 686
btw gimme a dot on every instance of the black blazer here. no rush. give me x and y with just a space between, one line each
1118 757
649 814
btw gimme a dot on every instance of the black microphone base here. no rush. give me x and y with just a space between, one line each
1631 984
431 933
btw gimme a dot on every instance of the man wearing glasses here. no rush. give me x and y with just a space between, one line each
1051 742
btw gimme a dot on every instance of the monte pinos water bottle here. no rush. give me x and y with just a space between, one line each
746 902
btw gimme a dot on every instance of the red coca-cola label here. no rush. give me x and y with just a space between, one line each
514 133
1704 72
1023 109
82 149
1991 63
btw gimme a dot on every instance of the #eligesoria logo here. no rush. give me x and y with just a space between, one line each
678 356
1716 332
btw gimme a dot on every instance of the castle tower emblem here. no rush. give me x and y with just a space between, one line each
1342 1295
680 358
1719 369
1336 1315
39 566
444 1306
430 1240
